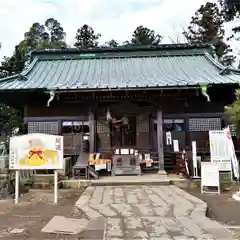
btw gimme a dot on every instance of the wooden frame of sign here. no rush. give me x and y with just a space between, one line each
18 157
210 177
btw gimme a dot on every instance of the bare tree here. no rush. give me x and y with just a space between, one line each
178 36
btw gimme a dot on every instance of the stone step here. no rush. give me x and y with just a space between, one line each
129 183
117 181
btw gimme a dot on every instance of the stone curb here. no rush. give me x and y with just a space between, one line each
82 204
200 210
89 212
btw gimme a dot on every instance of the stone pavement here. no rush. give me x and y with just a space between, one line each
149 212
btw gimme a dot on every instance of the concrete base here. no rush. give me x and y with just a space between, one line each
236 196
126 171
162 173
63 225
148 179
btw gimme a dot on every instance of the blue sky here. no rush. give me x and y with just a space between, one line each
114 19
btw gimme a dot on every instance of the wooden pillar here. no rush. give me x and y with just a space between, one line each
187 132
160 142
25 111
91 132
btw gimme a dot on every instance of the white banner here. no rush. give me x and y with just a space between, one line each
168 138
194 158
194 154
233 157
36 151
175 146
219 150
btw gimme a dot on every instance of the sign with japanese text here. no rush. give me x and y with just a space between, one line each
219 150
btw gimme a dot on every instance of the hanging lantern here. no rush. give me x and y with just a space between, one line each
108 116
114 121
125 121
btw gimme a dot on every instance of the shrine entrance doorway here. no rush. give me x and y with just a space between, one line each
123 132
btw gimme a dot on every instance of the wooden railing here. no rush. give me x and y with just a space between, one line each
67 167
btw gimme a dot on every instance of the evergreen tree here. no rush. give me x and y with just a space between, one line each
10 118
234 111
112 44
86 37
34 36
14 64
231 9
206 26
145 36
54 34
50 35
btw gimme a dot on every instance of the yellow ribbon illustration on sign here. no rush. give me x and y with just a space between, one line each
38 155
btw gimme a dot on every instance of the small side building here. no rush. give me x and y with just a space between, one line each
145 91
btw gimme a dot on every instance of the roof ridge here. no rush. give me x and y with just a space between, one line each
23 73
214 61
12 77
220 66
124 48
142 54
29 67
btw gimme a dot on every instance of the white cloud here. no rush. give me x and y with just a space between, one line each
113 19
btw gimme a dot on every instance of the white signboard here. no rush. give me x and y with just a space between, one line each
219 150
99 167
175 146
168 138
194 157
36 151
194 154
210 176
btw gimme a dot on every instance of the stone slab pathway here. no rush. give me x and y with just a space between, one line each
150 213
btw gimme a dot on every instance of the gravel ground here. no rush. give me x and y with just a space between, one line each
35 210
222 208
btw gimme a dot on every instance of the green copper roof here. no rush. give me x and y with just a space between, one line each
162 67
